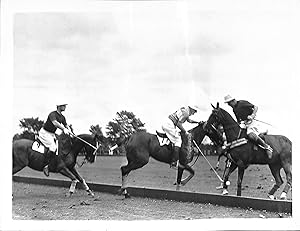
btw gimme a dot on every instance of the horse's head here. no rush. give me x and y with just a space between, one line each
213 124
90 145
202 129
221 117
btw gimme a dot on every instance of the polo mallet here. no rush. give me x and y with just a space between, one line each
96 148
263 122
208 162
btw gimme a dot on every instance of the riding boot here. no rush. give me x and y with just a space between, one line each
49 156
268 148
175 156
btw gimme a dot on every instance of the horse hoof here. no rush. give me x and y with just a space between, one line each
69 194
272 197
183 183
283 196
127 195
225 192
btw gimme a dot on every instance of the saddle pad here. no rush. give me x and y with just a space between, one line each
36 146
163 141
237 143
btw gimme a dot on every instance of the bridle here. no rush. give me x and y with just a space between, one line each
217 119
210 128
94 153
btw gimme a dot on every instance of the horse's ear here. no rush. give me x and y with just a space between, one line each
213 106
218 105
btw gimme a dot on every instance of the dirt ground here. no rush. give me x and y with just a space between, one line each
36 202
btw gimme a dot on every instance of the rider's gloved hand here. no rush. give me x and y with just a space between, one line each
66 131
243 125
250 117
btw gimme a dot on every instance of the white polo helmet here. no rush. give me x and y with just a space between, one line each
61 104
195 107
228 98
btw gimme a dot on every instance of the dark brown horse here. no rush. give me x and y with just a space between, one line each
143 145
23 156
243 155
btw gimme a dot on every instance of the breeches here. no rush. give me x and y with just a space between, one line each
172 132
255 128
49 140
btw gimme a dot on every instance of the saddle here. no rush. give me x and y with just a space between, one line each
162 138
38 146
162 135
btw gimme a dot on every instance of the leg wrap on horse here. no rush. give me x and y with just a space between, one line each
287 187
274 189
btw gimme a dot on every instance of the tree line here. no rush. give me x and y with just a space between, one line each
123 125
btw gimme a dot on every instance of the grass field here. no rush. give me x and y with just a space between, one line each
256 183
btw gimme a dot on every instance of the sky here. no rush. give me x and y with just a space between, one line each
147 57
152 58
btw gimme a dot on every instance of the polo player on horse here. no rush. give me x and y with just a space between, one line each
173 125
47 133
245 113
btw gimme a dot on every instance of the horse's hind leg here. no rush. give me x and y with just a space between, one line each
81 180
240 180
288 172
275 170
179 175
125 170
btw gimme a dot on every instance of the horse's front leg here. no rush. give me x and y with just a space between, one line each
66 172
240 180
179 177
81 180
230 167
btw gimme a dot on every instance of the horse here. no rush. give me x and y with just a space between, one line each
142 145
247 153
23 155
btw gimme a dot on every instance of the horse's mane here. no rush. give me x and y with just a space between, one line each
226 115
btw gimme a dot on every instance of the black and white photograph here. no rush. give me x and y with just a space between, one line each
163 114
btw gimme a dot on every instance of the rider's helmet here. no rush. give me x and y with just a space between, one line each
61 104
194 107
228 98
